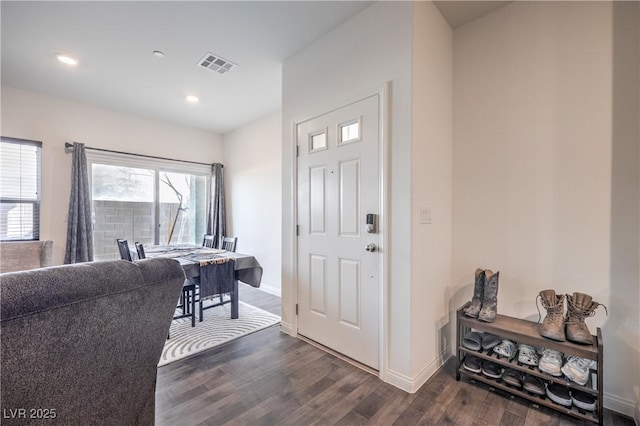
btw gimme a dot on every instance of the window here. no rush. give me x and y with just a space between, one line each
318 140
349 131
19 189
149 201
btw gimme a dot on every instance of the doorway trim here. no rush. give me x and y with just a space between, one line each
385 234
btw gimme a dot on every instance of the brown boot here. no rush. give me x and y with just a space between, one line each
552 326
580 306
478 292
490 300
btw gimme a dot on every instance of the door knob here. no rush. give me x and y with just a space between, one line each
371 247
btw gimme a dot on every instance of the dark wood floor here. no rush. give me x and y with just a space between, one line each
270 378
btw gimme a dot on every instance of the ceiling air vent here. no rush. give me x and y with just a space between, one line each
216 63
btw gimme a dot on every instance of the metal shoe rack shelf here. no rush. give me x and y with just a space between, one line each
523 331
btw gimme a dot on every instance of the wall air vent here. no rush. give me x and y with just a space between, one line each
215 63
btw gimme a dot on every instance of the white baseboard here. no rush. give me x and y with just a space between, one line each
276 291
623 406
412 385
399 380
285 327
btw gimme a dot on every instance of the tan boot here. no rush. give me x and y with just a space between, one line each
552 326
490 300
580 306
478 292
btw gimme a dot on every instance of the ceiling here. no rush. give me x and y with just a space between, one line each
114 44
458 13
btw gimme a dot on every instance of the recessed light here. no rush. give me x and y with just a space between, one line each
66 59
158 54
192 99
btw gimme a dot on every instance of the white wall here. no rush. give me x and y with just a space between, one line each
253 178
540 180
625 200
637 388
354 60
410 45
431 188
54 121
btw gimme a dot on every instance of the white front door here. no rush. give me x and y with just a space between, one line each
338 261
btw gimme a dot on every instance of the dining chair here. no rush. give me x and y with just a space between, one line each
208 241
123 247
140 250
188 299
187 302
229 243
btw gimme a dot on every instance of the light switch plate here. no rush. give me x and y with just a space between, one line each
425 216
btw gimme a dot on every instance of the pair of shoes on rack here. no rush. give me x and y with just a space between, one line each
566 397
488 368
484 304
475 340
558 326
531 384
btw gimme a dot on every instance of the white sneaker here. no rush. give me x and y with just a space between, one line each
551 362
577 369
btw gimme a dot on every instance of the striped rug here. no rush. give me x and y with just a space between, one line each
216 329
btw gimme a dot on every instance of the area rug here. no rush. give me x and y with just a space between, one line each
216 328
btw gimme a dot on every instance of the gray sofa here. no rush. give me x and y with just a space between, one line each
79 344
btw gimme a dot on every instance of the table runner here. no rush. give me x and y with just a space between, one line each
207 259
216 277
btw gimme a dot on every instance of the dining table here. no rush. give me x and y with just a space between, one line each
194 257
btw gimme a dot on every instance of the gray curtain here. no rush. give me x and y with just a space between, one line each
79 228
217 220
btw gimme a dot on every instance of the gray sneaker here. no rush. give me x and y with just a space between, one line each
506 349
527 355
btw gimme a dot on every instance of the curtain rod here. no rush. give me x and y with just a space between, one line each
68 145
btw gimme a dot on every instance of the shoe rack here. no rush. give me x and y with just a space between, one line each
523 331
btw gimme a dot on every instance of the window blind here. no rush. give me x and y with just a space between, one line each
20 163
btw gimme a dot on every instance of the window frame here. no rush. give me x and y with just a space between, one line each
157 165
37 202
